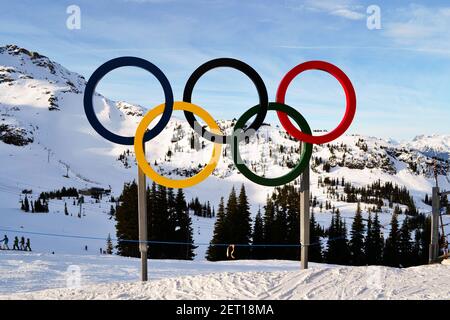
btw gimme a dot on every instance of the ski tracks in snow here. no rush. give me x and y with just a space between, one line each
334 282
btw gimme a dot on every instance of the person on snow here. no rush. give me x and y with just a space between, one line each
16 243
5 242
230 252
22 243
28 247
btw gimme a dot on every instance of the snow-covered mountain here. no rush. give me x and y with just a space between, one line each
46 276
434 145
46 142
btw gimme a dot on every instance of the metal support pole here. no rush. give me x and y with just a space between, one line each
434 244
304 217
142 218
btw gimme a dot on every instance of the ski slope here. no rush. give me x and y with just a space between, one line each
44 276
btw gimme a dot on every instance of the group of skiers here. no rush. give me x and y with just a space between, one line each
17 245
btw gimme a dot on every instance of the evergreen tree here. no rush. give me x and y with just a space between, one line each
392 249
420 248
231 217
238 222
416 249
184 232
258 237
112 212
342 241
425 240
397 210
109 245
127 221
161 225
269 226
280 228
330 254
26 205
357 239
197 207
337 246
172 225
405 245
376 244
215 253
315 249
290 199
368 250
208 210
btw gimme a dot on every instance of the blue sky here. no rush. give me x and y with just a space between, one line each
401 72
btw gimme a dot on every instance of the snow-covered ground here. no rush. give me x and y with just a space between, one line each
46 276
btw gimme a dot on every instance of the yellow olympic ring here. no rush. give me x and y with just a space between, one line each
140 154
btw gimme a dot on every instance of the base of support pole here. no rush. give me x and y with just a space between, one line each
144 273
304 258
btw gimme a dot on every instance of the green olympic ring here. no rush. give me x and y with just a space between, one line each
305 153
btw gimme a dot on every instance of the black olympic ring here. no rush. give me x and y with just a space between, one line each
127 62
234 64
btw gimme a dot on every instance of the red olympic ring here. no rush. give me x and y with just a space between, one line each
350 96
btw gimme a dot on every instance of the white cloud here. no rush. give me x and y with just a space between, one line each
348 14
345 8
421 26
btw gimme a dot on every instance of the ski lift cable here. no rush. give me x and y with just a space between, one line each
6 229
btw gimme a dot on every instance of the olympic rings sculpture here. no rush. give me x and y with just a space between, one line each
215 136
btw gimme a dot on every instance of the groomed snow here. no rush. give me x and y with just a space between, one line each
28 276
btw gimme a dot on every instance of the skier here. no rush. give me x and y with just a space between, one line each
5 242
28 247
16 243
22 243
